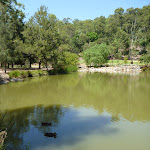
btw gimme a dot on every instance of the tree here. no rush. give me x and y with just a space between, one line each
41 36
121 41
11 23
97 55
99 26
91 37
78 40
119 17
64 62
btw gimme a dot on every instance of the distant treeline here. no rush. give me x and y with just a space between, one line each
45 39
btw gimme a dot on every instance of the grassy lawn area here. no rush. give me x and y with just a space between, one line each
122 62
118 62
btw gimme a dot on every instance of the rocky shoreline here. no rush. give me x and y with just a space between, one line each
127 69
4 78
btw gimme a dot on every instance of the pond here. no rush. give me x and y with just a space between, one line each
86 110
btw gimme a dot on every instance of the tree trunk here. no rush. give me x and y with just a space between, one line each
40 65
12 65
8 65
30 63
46 66
5 67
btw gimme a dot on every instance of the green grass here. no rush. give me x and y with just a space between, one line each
25 74
117 62
123 62
82 61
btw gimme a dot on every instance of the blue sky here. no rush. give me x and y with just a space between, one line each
80 9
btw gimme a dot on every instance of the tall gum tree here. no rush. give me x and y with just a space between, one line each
11 20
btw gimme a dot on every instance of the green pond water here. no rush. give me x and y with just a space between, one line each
87 111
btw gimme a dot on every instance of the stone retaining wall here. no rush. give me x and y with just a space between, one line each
128 69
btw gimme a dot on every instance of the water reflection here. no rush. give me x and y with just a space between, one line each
71 126
126 95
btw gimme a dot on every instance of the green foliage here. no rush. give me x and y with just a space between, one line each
15 74
63 59
125 60
11 26
78 40
37 40
87 45
92 36
97 55
2 147
64 62
63 70
71 68
146 69
25 74
145 59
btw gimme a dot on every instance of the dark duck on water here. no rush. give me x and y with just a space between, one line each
50 134
46 123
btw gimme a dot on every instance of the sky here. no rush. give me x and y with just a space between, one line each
80 9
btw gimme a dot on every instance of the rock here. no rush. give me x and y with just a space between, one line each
4 76
3 81
133 69
16 80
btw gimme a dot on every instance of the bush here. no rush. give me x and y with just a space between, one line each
146 69
35 73
96 55
15 74
25 74
125 60
63 70
71 68
65 62
145 59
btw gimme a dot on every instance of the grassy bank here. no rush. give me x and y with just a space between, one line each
25 74
124 62
118 62
35 73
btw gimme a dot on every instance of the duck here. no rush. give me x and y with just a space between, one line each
50 134
46 123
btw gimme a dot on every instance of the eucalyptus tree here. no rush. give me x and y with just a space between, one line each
46 37
78 41
119 16
99 26
11 25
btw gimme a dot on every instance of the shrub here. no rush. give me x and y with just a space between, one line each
24 74
145 59
15 74
71 68
33 73
96 55
125 60
40 72
146 69
65 62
